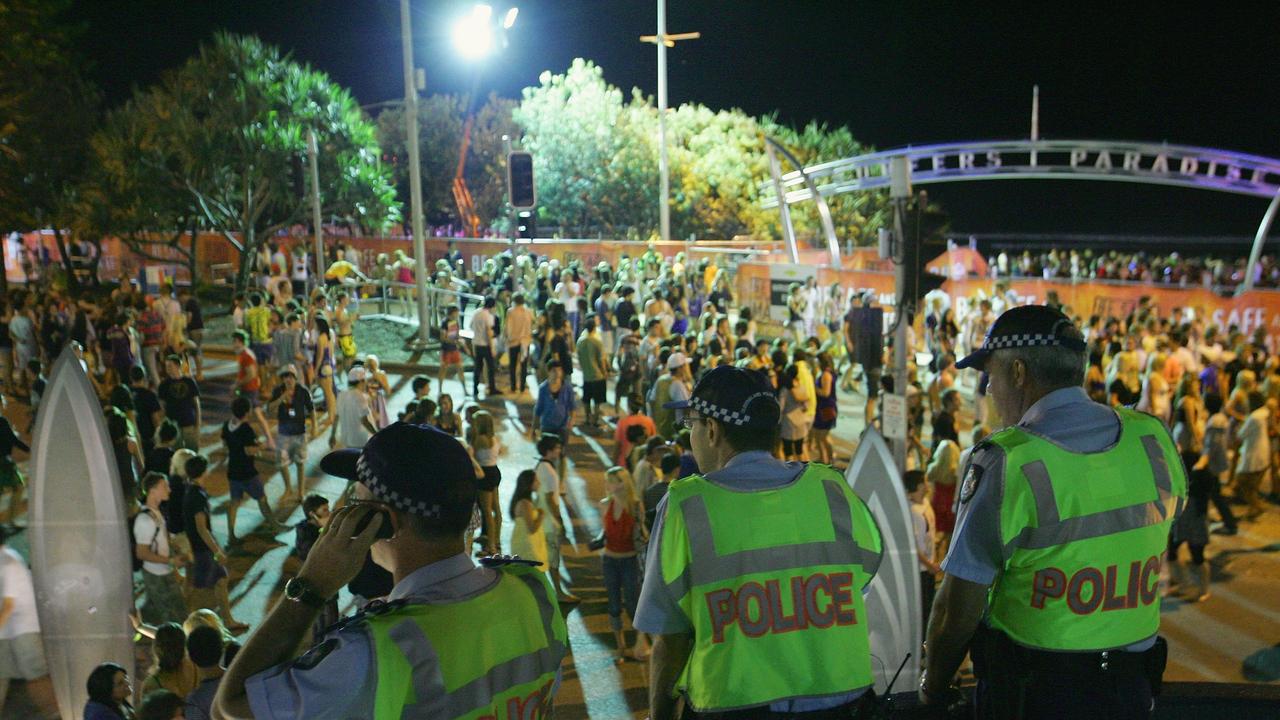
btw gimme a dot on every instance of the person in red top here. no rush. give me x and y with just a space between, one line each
622 531
635 405
248 384
151 327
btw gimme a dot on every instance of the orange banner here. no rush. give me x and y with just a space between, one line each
1246 313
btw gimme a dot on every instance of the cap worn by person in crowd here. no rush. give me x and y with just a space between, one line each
413 468
733 395
1024 326
677 359
357 374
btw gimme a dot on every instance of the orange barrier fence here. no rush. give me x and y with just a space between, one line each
762 287
216 257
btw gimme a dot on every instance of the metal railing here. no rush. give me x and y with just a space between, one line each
438 299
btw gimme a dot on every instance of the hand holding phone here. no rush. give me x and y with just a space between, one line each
385 531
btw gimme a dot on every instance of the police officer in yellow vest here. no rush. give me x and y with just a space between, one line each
754 579
452 640
1052 579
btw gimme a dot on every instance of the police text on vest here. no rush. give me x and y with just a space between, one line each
818 601
1091 588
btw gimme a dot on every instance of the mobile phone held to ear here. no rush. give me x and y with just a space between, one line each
385 531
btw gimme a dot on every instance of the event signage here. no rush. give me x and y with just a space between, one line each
1151 163
893 597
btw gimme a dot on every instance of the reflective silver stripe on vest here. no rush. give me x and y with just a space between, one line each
1052 530
708 566
424 663
478 693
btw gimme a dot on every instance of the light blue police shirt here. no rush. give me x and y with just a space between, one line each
1065 417
660 613
340 684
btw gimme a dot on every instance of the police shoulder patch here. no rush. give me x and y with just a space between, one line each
972 477
312 657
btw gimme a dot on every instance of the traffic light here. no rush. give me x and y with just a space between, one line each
520 180
526 224
925 227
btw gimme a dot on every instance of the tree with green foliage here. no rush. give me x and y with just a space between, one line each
441 121
486 170
132 189
856 216
47 113
232 125
595 157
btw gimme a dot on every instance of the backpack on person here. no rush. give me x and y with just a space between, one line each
133 539
629 361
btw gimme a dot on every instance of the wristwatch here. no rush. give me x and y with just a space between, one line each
300 591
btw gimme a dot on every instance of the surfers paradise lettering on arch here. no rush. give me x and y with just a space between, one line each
1152 163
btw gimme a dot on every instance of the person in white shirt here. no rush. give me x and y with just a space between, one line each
482 341
301 262
1255 453
165 602
925 534
813 296
567 292
21 652
354 422
550 449
519 335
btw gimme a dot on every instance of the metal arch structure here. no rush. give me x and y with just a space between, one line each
1099 160
773 147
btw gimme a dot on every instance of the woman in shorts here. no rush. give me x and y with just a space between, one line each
323 365
451 349
485 448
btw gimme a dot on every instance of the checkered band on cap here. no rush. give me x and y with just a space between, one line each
397 499
1004 342
732 417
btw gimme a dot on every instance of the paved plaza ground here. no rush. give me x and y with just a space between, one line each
1208 641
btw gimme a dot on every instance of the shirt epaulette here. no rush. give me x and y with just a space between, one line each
373 609
497 561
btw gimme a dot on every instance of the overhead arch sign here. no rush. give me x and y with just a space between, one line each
1148 163
1160 164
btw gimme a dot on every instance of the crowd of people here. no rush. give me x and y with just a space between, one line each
1176 269
532 326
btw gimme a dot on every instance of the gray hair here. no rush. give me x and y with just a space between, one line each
1053 366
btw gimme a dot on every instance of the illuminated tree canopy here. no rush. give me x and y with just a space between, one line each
230 129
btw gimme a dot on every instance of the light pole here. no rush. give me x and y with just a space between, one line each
313 151
663 41
415 177
473 35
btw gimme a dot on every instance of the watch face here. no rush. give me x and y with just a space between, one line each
293 589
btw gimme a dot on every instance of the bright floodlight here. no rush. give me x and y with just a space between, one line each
510 18
473 34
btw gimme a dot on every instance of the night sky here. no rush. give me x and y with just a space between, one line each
896 72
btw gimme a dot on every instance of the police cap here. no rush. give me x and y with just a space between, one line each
1025 326
413 468
734 396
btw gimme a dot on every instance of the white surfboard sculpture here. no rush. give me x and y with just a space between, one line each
80 555
893 601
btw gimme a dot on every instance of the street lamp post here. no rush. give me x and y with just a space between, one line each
415 177
663 41
474 36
